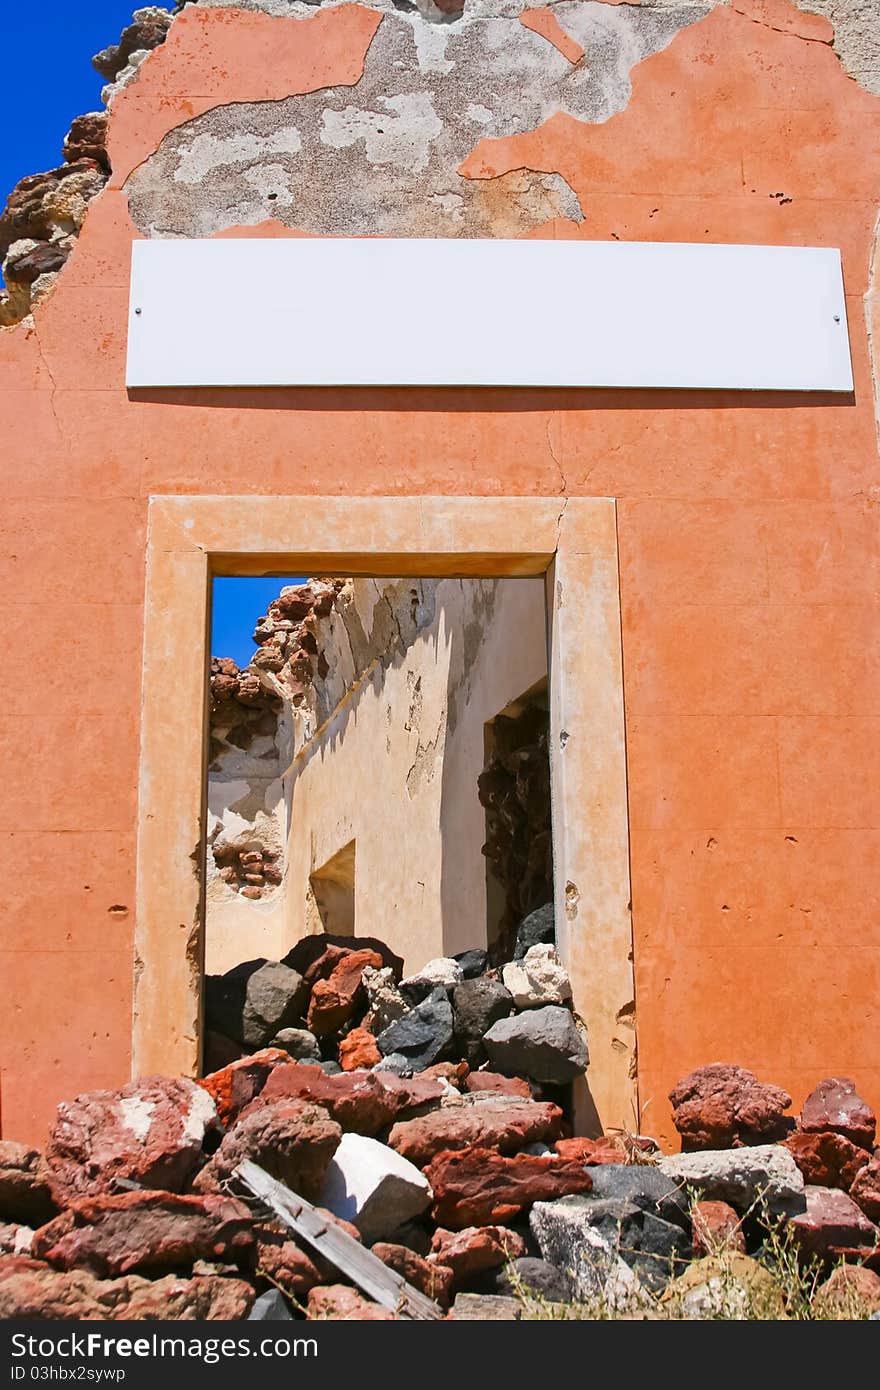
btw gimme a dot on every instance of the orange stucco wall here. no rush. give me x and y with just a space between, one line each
748 551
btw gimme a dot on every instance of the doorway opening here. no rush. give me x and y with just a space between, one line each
571 547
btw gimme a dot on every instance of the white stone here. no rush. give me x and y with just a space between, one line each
566 1238
372 1186
537 979
740 1176
444 971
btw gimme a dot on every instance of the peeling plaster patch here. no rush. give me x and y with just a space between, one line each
271 181
480 115
207 152
201 1115
137 1115
406 128
431 44
403 139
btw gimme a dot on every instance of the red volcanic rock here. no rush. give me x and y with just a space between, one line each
832 1222
477 1187
341 1302
504 1085
33 1290
411 1092
358 1050
865 1190
145 1230
282 1261
837 1106
362 1102
723 1107
87 139
453 1072
310 948
849 1285
292 1139
827 1159
475 1249
235 1086
24 1185
335 999
324 964
149 1132
716 1227
430 1277
358 1101
589 1151
506 1125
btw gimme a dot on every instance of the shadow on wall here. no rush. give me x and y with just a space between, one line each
486 642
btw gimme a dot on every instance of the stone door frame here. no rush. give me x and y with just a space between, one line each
573 544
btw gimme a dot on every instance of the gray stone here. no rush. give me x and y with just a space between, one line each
476 1005
330 1068
395 1062
537 1277
424 1035
484 1307
536 929
254 1001
374 1187
643 1184
544 1044
741 1176
567 1238
299 1042
271 1306
472 963
655 1249
274 996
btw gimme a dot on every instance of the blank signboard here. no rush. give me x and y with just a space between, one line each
357 311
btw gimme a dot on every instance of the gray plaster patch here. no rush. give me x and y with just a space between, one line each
856 22
382 157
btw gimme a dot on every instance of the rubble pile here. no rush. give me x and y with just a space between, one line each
429 1116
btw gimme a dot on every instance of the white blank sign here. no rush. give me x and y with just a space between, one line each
304 311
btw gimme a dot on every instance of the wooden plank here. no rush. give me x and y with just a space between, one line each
329 1239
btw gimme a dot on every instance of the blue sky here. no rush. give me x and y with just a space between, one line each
237 604
48 79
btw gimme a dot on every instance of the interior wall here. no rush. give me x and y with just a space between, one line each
393 765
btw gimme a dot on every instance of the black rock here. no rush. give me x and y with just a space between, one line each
536 1277
330 1068
472 963
224 1005
424 1035
538 927
476 1005
644 1185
